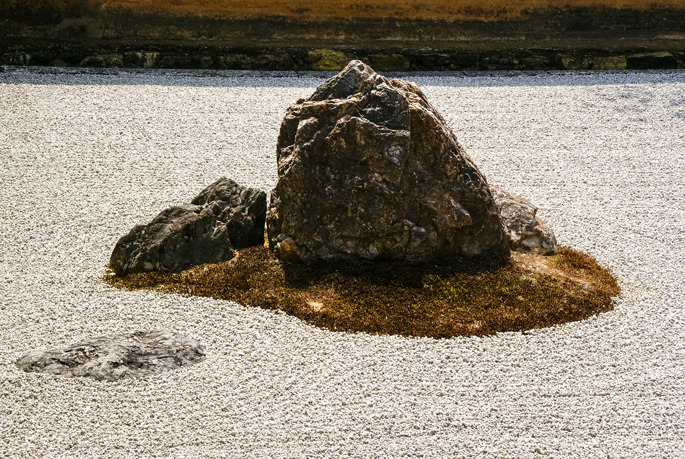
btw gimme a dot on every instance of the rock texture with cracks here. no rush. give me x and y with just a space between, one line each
368 170
223 217
242 209
524 229
114 357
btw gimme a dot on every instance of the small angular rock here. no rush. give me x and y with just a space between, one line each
114 357
368 170
243 210
223 217
179 237
526 232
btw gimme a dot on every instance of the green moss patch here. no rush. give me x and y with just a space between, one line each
457 298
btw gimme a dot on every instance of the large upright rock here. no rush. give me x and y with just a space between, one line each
222 218
368 170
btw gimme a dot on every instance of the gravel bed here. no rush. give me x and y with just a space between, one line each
85 156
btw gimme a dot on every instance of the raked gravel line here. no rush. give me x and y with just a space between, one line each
85 156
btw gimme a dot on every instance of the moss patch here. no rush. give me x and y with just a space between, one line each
467 297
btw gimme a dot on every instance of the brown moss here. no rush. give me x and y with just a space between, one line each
467 297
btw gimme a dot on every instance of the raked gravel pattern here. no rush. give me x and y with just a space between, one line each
85 156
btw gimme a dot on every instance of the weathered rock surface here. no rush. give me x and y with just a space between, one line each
368 170
243 210
526 232
114 357
141 59
223 217
327 59
177 238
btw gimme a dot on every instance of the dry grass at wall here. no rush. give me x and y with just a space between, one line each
462 297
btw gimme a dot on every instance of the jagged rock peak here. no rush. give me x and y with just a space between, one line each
368 170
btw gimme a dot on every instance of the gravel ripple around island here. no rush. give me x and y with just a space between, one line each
84 156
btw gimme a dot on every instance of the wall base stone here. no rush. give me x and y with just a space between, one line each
318 59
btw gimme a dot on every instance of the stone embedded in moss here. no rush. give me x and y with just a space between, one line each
500 63
222 217
434 61
574 63
273 61
92 61
660 60
369 171
243 209
389 62
509 63
609 63
113 60
106 60
206 62
17 58
141 59
179 237
524 229
465 62
235 62
176 61
535 62
327 60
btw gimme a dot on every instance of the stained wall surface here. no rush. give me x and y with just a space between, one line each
447 10
471 25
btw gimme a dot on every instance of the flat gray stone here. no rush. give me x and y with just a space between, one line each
113 357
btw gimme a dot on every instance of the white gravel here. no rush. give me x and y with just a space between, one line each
85 156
